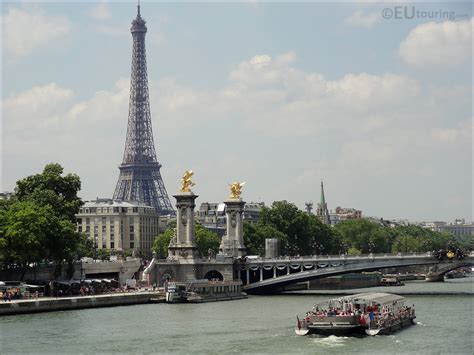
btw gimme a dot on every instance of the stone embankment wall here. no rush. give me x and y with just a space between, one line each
48 304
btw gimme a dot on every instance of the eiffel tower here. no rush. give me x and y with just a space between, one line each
140 179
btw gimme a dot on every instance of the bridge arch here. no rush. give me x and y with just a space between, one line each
269 276
214 275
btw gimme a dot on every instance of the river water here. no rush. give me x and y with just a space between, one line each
259 324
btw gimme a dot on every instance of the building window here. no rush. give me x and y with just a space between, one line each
88 220
132 245
131 229
88 229
116 209
135 209
112 245
132 236
112 236
79 229
79 220
112 228
104 220
103 229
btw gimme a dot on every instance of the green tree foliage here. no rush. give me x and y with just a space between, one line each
24 235
415 238
255 235
364 235
161 243
205 241
297 232
53 189
39 223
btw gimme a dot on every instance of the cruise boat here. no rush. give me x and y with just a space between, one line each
363 313
200 291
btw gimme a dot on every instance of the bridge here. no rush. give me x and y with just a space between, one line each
261 276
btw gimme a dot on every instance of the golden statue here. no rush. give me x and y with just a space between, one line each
236 189
186 181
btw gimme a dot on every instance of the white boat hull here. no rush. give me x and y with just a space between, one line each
301 331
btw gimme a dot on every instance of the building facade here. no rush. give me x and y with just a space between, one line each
458 228
212 215
120 226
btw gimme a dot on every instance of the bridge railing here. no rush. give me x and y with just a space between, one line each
342 256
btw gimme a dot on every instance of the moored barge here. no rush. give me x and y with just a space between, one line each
200 291
363 313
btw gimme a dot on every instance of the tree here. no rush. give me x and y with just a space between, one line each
255 235
364 235
206 241
305 233
52 188
41 217
24 231
161 243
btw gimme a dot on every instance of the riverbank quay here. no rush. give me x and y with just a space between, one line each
51 304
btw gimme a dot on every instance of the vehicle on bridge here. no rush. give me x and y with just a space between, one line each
363 313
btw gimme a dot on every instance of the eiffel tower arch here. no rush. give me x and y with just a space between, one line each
140 178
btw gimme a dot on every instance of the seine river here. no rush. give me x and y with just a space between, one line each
259 324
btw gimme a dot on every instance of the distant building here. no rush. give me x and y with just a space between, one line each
434 226
120 226
458 228
252 211
348 213
6 195
322 209
212 215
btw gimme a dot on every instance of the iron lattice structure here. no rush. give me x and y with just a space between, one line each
140 179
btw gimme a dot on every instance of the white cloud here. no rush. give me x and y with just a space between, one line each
361 19
119 31
101 11
431 44
28 28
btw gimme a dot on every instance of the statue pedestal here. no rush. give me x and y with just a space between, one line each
183 246
233 242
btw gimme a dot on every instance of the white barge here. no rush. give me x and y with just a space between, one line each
200 291
363 313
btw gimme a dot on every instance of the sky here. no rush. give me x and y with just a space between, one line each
375 99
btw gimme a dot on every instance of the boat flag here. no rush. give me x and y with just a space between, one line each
298 323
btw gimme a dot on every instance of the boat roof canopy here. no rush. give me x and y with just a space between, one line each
379 297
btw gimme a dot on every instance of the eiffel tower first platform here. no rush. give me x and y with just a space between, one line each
140 179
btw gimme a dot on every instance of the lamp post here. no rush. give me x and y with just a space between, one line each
371 245
320 248
313 246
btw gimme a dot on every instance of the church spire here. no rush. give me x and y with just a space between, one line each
322 210
323 200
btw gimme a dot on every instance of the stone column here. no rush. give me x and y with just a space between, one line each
184 246
235 227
